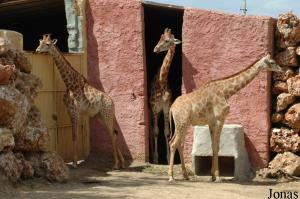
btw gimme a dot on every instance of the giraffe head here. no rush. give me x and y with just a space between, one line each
45 43
268 64
166 41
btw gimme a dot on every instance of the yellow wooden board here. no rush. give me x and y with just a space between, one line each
53 111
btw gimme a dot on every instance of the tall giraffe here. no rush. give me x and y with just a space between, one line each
160 93
81 97
208 105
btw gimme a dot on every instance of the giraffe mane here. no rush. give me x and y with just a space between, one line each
235 74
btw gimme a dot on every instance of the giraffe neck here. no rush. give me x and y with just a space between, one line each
165 67
68 74
233 84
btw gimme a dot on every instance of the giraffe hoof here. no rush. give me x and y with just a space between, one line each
216 179
171 180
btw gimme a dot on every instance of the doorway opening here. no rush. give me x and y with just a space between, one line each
203 165
35 18
156 18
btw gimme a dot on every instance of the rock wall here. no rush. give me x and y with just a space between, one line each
286 90
22 133
217 45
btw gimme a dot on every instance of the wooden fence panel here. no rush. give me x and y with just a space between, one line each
53 110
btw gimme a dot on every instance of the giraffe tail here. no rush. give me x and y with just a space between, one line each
171 121
116 132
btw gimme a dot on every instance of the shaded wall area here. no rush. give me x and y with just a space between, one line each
116 66
216 45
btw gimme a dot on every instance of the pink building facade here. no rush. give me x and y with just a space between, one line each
214 45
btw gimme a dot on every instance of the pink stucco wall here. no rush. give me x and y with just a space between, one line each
216 45
116 66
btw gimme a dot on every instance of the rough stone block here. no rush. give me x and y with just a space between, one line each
288 57
294 85
232 144
280 87
283 101
288 73
282 165
49 165
292 117
276 117
7 74
284 140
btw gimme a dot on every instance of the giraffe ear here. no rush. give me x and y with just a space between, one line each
177 41
54 41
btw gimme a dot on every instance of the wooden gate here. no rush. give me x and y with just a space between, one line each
53 110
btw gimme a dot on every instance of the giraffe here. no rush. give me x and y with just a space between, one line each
208 106
160 92
82 98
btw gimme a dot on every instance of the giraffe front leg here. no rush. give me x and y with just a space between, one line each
215 141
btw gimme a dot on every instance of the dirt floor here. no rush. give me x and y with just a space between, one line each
94 180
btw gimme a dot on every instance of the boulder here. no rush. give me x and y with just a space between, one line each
294 85
288 57
276 117
288 73
7 141
283 101
288 30
10 166
49 165
16 57
28 85
283 165
14 108
35 137
280 87
292 117
7 74
27 171
284 140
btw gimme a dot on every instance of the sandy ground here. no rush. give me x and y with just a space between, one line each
94 180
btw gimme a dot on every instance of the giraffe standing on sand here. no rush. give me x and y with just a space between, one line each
160 93
81 97
208 105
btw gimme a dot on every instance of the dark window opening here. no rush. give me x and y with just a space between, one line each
35 18
203 165
157 18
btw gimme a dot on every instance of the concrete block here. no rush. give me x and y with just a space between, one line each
232 144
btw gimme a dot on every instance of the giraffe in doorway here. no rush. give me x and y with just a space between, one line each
208 105
160 92
81 97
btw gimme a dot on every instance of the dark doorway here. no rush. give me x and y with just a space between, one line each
35 18
157 18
